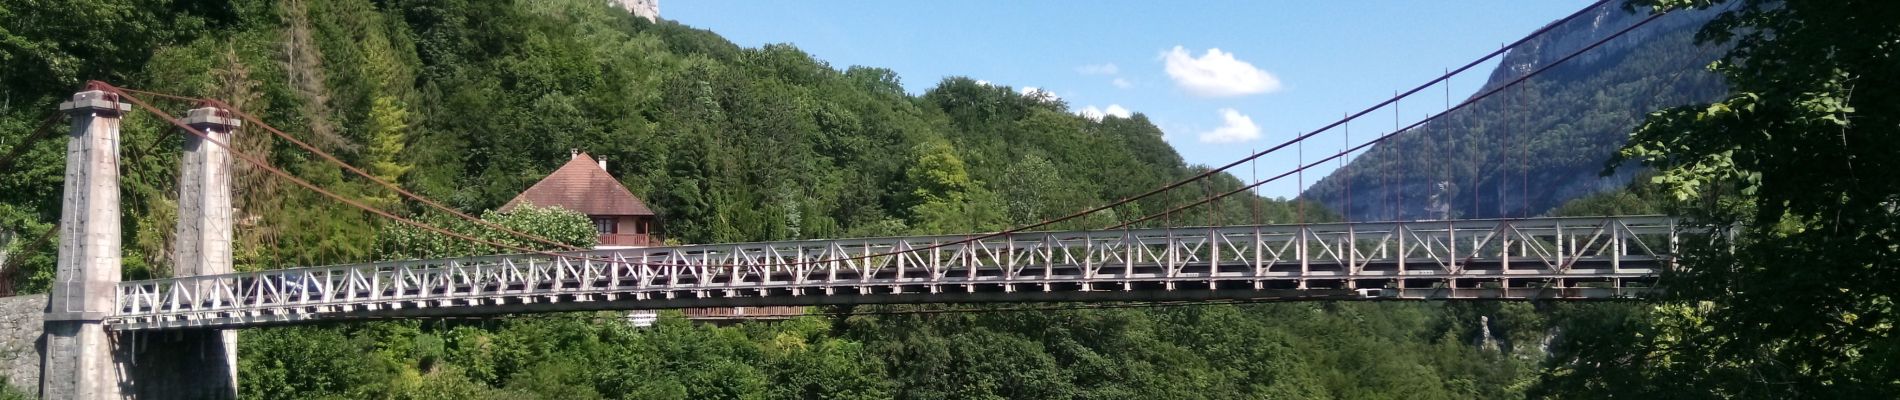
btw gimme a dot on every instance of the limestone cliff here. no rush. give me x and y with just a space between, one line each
1536 145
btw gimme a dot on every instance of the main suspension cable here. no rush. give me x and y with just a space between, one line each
1473 100
1278 147
253 160
44 130
1027 227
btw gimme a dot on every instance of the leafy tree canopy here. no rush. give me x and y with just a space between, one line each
1798 162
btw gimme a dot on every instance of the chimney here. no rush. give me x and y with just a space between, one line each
603 163
573 153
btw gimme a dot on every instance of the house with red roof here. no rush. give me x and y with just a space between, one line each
623 221
583 185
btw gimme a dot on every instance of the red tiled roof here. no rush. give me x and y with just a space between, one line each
582 186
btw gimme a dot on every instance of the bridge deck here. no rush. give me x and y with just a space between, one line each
1538 258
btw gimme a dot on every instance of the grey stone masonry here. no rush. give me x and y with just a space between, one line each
89 261
22 319
79 358
79 362
203 239
199 364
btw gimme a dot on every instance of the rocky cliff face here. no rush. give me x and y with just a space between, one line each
649 9
1528 149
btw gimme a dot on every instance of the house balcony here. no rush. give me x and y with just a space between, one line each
631 240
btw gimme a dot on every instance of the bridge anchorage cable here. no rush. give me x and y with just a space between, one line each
255 161
326 156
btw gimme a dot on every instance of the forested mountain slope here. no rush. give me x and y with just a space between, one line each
471 101
1535 146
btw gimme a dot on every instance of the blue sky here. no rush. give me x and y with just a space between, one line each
1284 66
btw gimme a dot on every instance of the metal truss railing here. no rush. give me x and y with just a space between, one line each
1562 258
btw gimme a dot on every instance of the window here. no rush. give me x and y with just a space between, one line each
604 225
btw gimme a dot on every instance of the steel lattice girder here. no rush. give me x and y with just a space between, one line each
1563 258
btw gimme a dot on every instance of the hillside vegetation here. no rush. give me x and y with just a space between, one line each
471 101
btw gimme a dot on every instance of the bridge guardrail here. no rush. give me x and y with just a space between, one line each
1515 257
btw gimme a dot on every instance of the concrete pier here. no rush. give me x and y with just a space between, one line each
203 239
79 360
197 364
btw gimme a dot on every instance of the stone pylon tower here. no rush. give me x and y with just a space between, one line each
81 358
199 363
203 243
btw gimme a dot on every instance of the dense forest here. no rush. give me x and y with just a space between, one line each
469 102
1798 300
1539 143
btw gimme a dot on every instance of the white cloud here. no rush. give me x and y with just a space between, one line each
1039 94
1122 83
1235 128
1095 114
1098 69
1217 74
982 82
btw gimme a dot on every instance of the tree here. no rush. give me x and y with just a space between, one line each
388 121
938 175
944 199
1798 161
1031 191
401 241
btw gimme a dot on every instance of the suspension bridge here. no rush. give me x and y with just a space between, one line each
1537 258
173 337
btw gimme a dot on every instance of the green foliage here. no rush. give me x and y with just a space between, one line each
552 223
944 199
387 120
1308 351
8 392
1256 351
938 175
573 356
1642 197
472 101
1799 302
23 258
